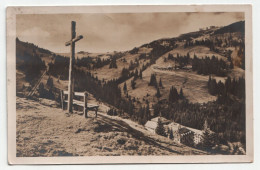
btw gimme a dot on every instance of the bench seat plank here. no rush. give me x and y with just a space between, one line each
80 103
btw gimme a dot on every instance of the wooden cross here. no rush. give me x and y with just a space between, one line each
72 42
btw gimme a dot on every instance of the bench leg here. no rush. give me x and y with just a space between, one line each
62 99
86 112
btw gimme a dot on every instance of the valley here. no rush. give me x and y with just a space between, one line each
195 78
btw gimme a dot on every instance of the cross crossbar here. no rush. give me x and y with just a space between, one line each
74 40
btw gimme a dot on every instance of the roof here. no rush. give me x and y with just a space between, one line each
196 131
184 130
174 126
151 124
163 120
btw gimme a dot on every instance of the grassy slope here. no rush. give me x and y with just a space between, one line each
45 130
108 74
43 133
200 51
194 86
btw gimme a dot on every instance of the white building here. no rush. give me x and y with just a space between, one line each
152 124
198 134
179 131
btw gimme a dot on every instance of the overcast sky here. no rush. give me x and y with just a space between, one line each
113 32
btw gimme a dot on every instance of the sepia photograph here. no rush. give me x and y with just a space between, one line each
126 84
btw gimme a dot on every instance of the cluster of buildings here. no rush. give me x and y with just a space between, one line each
170 67
165 43
181 134
208 28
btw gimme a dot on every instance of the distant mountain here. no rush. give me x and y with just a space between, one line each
173 71
31 59
235 27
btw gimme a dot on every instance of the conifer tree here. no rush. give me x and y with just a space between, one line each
125 88
115 113
158 94
188 55
140 74
147 111
171 134
160 83
212 85
170 56
231 65
160 130
133 84
181 94
113 63
136 74
50 82
110 112
173 96
153 81
209 81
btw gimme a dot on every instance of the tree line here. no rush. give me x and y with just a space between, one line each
92 63
182 61
28 60
226 120
209 65
231 87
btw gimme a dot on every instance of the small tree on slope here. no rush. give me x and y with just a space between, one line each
160 129
171 134
125 88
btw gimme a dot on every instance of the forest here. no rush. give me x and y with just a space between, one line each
225 116
30 62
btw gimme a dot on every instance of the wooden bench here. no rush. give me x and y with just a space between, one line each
86 106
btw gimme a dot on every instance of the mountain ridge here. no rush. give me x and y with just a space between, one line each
185 79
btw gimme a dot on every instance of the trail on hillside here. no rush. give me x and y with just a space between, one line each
43 129
187 75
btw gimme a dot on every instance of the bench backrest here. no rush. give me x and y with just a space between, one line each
77 102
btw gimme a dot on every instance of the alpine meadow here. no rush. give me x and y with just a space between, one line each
147 84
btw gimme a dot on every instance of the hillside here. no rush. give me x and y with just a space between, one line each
54 133
190 79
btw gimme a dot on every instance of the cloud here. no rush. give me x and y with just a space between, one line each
114 31
35 34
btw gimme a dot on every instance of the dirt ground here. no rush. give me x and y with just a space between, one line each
45 130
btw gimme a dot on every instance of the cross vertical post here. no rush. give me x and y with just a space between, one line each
72 42
72 59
